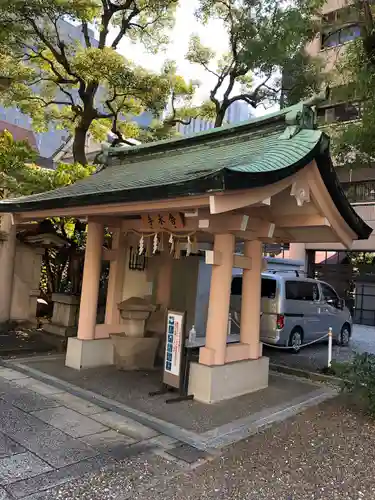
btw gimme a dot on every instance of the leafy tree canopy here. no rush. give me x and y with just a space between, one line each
19 176
264 37
83 85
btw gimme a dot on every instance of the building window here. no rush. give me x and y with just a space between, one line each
340 36
343 112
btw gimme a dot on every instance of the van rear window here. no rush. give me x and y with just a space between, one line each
268 287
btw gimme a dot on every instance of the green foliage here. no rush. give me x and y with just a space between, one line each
264 37
16 177
359 379
19 176
76 84
353 141
302 77
62 268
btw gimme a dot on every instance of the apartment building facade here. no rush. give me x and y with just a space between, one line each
351 272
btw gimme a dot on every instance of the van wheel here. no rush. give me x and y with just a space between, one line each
345 335
295 340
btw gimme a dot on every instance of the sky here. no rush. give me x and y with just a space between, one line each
212 35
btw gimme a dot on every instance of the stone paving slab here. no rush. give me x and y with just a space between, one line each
4 495
15 421
119 483
9 447
62 442
78 404
28 400
55 478
21 466
10 374
107 439
69 421
163 441
55 447
125 425
36 386
47 442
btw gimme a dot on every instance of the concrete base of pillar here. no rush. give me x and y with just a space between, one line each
211 384
89 353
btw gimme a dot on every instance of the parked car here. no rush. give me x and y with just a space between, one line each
296 310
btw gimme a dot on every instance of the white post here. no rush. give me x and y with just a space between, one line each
329 347
229 324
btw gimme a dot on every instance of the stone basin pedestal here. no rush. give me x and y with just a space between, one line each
134 351
65 315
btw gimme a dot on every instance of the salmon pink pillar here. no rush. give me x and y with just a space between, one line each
218 308
115 279
251 299
90 283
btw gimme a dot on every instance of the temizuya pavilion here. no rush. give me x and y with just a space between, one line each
267 180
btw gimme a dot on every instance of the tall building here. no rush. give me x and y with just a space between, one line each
353 272
239 111
340 26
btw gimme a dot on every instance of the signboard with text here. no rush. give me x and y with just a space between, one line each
169 221
174 344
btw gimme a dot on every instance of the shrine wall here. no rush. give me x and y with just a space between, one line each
26 279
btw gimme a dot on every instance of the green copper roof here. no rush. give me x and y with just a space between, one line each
251 154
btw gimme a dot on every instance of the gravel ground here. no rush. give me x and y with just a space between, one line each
326 453
133 388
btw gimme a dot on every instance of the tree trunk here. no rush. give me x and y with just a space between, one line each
79 145
220 117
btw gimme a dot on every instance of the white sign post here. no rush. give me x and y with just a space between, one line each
329 347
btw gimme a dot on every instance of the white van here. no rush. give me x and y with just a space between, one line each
296 310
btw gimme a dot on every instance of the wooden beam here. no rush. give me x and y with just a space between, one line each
226 202
109 255
242 262
225 223
180 204
213 258
303 221
108 221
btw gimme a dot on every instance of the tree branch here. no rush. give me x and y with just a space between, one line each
125 24
48 103
85 31
59 56
251 97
